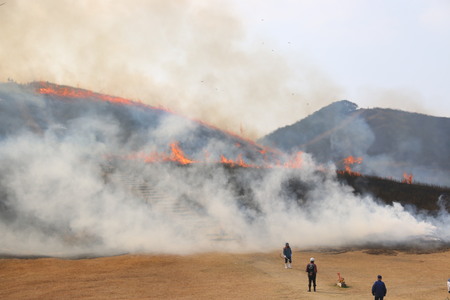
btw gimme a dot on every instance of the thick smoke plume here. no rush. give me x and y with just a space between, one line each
68 188
190 56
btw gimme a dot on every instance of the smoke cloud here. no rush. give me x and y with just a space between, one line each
65 190
191 57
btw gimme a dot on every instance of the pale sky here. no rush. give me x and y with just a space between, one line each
248 66
388 53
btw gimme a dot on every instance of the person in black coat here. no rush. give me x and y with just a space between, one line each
379 289
311 269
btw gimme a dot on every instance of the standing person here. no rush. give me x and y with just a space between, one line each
311 269
287 254
379 289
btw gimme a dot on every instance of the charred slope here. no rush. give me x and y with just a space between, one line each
421 196
390 142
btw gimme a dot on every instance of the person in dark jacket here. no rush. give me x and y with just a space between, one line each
379 289
287 253
311 269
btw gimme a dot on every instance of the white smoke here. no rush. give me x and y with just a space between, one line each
62 195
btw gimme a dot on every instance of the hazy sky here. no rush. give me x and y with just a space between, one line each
389 53
244 66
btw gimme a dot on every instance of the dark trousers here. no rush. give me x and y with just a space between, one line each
286 259
379 297
312 279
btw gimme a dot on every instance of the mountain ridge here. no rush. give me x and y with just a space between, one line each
390 142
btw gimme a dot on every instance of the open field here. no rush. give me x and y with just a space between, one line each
226 276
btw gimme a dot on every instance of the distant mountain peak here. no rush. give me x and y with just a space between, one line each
342 106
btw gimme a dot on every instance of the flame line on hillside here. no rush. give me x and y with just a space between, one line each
47 88
177 154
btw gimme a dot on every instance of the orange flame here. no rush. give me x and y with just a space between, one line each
295 162
238 162
407 178
178 155
66 91
225 160
348 161
47 88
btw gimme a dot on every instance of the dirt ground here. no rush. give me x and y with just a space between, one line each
226 276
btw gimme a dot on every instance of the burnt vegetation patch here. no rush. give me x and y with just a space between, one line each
423 197
429 199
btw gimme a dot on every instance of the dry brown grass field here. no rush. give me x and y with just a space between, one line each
226 276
